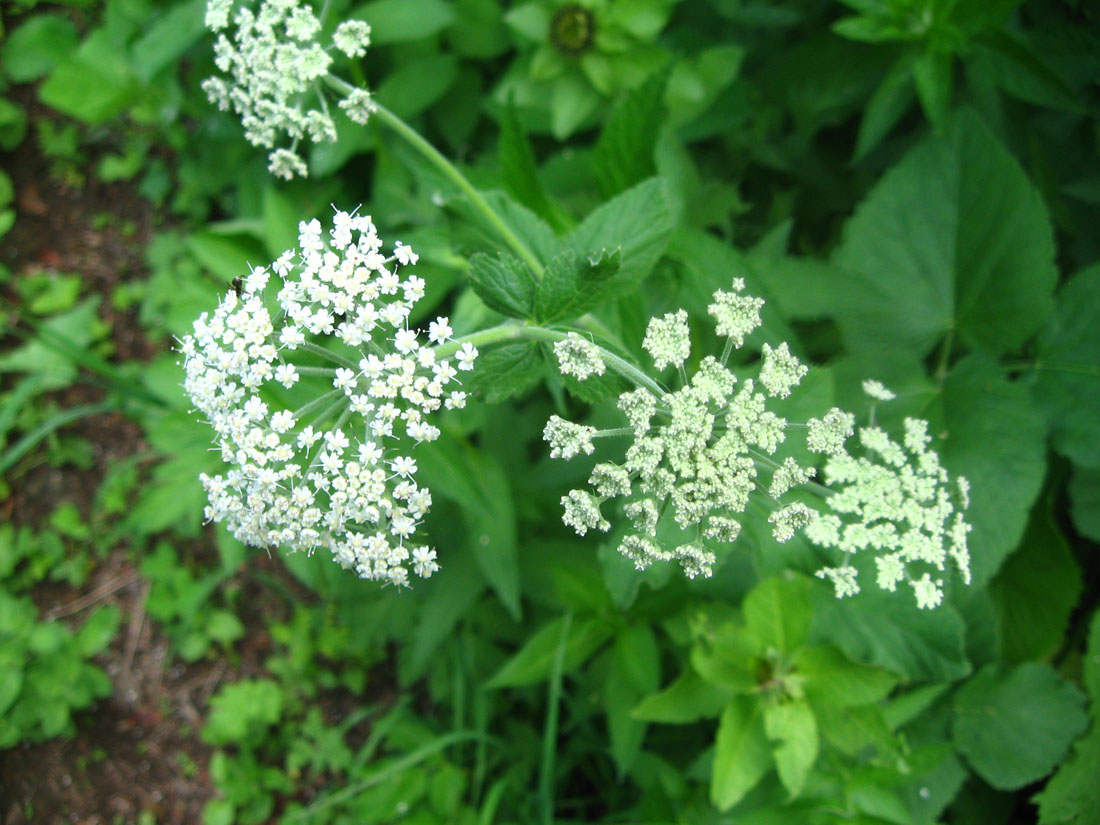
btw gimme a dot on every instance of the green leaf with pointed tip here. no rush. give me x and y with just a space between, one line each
686 700
890 101
777 614
519 171
952 239
534 661
624 150
742 754
1067 378
933 76
793 727
504 283
634 671
1014 726
834 679
573 284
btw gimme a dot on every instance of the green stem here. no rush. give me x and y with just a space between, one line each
550 730
316 349
308 408
326 371
450 171
512 330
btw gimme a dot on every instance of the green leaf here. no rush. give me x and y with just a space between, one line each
634 671
889 102
240 712
686 700
92 85
79 326
833 679
777 614
1070 796
414 86
1035 592
36 46
932 75
623 155
638 222
994 437
504 283
572 284
954 238
507 370
793 727
519 171
399 21
1067 376
174 32
281 215
534 661
475 481
742 754
1014 726
889 630
1084 502
96 633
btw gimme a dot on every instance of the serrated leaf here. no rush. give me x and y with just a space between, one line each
507 370
1070 797
954 238
742 754
792 725
1014 726
573 284
623 155
504 283
1067 378
533 662
519 171
638 222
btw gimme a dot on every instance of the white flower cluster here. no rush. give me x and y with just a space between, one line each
698 452
334 473
273 65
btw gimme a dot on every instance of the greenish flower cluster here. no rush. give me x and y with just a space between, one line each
701 453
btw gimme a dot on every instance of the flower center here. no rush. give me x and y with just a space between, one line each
573 30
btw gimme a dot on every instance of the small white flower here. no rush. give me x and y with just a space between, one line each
439 330
876 390
466 355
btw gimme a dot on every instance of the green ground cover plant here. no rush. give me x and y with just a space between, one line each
663 411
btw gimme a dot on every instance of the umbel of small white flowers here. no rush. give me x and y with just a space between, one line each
274 66
334 473
700 452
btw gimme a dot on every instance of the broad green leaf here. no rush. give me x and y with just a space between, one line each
412 87
742 754
952 239
534 661
777 614
833 679
573 284
399 21
479 30
623 155
686 700
37 45
727 656
1014 726
572 102
889 630
994 437
1067 375
79 326
507 370
1036 591
227 256
92 85
792 725
504 283
638 222
474 480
